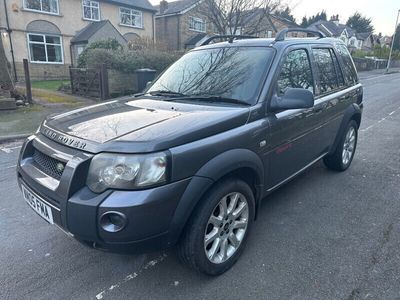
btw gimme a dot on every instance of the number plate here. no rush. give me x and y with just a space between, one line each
38 205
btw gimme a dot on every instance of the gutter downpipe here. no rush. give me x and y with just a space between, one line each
9 31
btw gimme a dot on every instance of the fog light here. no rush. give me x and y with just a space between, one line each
113 221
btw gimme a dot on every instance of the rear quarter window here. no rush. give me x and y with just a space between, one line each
349 71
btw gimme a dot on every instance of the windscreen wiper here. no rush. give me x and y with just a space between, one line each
166 93
213 99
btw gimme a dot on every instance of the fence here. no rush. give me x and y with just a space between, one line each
90 82
367 64
105 84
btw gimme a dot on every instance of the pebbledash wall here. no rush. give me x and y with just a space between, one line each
68 22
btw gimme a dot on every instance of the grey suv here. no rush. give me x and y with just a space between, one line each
188 162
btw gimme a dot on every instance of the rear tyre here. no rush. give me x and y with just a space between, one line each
341 159
216 233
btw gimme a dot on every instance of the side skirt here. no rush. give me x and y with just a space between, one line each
295 174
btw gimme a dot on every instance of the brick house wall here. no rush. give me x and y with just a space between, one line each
173 30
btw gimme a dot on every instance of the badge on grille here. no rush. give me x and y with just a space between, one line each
60 167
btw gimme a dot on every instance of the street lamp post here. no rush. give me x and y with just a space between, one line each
394 37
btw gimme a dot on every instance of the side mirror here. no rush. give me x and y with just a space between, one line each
293 98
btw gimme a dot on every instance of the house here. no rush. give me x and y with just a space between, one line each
264 25
183 24
352 39
386 41
52 33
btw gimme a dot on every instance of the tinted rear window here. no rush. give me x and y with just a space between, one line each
349 71
328 80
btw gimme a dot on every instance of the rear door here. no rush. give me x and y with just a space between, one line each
329 96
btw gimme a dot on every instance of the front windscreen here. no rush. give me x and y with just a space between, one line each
229 72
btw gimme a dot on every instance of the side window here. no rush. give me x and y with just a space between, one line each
338 70
349 71
327 73
296 72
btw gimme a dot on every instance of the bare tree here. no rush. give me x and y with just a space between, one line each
239 16
5 78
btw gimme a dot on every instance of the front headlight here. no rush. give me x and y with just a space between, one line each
126 172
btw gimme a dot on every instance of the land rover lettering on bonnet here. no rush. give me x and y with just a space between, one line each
188 162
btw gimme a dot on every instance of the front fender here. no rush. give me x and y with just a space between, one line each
212 171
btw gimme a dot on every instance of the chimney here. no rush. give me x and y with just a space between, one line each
163 6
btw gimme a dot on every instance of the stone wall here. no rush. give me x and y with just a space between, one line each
43 71
121 84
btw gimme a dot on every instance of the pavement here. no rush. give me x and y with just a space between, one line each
324 235
25 120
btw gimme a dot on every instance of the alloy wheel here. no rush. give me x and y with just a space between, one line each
349 145
226 228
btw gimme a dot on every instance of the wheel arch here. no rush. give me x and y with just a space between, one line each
239 163
353 112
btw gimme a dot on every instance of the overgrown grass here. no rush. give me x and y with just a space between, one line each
51 85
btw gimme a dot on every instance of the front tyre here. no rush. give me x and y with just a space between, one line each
217 231
341 159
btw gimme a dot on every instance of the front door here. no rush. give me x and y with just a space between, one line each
294 137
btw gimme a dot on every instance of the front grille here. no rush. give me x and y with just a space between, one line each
48 165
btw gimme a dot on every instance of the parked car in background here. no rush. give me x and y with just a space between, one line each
188 162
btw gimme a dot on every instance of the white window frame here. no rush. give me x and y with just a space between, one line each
45 48
133 12
91 8
43 11
193 20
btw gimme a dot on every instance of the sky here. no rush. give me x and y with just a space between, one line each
382 12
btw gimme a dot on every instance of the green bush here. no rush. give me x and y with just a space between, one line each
378 52
109 44
128 61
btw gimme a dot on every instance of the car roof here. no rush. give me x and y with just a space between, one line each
271 42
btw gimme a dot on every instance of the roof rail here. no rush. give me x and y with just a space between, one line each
230 38
282 34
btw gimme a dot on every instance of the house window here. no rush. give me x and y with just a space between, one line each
46 6
130 17
197 24
269 33
45 48
91 10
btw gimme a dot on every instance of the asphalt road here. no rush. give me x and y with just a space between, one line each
325 235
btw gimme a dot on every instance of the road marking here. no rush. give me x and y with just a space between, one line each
380 121
6 150
11 167
129 277
10 149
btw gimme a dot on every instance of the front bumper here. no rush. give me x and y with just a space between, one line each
77 210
